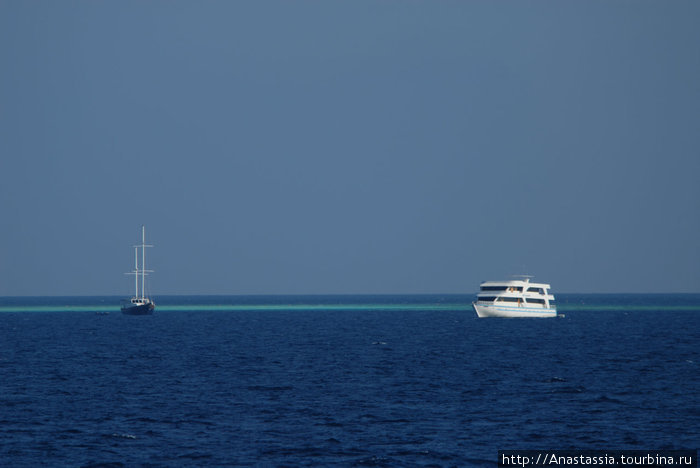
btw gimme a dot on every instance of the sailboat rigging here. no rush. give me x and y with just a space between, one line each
139 304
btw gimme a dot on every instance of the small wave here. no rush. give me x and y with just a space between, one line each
304 452
429 454
479 462
122 436
394 421
534 436
272 388
143 419
330 424
102 465
377 460
16 402
607 399
195 455
555 380
69 431
194 421
569 389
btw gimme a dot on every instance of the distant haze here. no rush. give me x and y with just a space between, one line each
314 147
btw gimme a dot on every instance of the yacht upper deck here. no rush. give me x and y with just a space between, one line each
520 291
515 286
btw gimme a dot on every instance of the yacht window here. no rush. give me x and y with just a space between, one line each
493 288
486 299
535 290
536 301
509 299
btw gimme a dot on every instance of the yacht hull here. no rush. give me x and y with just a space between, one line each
488 310
141 309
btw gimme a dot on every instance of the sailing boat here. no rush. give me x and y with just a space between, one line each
139 305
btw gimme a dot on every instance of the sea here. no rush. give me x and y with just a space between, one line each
392 380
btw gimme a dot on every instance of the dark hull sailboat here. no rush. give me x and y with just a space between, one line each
139 305
131 308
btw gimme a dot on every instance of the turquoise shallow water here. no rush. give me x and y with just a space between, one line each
341 380
566 303
236 307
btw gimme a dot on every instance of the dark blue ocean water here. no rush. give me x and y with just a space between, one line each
341 381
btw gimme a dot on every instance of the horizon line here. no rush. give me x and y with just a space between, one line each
312 294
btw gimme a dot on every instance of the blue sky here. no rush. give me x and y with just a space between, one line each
312 147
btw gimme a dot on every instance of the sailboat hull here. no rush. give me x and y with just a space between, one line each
141 309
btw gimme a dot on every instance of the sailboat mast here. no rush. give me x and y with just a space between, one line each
143 260
136 271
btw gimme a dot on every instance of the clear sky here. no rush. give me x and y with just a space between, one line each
316 147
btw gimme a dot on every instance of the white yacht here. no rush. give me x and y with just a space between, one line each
515 298
139 304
